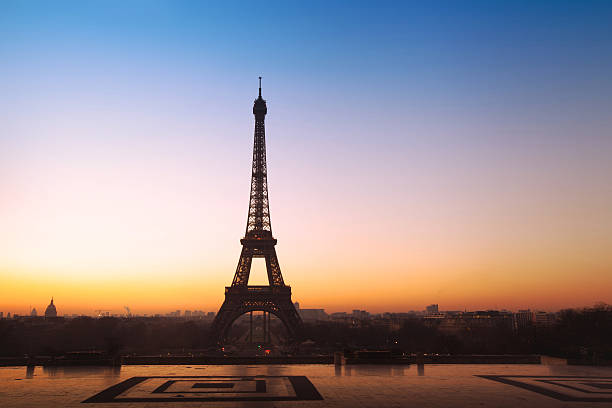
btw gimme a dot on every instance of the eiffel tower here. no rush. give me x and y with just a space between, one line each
258 242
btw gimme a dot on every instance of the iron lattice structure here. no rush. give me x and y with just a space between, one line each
258 242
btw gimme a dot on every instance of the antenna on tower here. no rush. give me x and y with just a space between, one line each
260 87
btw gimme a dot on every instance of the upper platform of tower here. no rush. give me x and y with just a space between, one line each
259 106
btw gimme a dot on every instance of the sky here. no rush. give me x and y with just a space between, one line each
456 153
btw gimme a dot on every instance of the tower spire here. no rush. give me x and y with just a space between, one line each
258 222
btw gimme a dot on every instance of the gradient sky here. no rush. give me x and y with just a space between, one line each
457 153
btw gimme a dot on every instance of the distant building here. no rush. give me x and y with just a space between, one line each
176 313
471 321
431 309
522 319
400 316
34 313
51 311
187 313
360 314
313 314
1 315
544 319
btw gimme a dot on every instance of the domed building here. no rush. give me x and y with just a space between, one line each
51 311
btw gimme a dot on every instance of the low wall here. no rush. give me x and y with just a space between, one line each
340 359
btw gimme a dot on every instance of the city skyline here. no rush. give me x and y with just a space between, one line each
414 157
176 311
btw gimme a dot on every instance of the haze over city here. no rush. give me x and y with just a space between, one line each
409 161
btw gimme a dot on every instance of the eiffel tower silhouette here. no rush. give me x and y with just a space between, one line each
258 242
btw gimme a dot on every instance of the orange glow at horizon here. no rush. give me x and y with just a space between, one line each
473 278
102 236
153 222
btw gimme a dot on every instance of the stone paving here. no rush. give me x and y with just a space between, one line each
261 386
